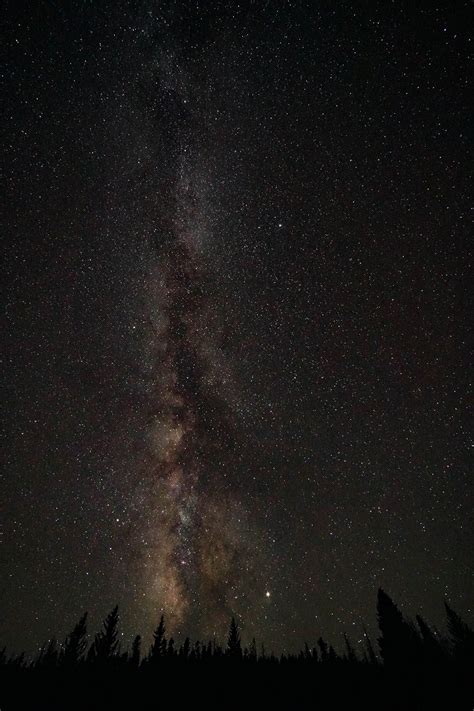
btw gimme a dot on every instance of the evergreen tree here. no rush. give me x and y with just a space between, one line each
350 652
158 647
399 645
432 649
310 654
324 649
106 644
184 649
49 655
462 636
209 649
234 648
371 656
135 657
75 644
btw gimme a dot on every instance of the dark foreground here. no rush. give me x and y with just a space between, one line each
292 685
414 667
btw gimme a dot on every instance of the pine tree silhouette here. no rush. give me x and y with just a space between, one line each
49 655
462 636
234 648
197 651
324 649
170 648
207 650
158 647
399 645
419 666
135 656
371 656
75 644
184 649
106 644
432 650
350 652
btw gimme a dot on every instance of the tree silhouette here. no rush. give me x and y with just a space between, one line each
196 651
76 643
184 649
158 647
135 655
350 652
432 650
371 656
462 636
418 668
49 655
170 648
398 641
106 644
309 654
234 648
324 649
253 650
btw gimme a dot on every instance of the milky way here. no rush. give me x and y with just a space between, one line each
195 540
198 558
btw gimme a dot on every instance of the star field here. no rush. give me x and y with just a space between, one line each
236 337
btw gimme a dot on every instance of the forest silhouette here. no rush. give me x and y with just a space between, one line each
411 666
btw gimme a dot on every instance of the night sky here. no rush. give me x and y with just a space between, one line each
235 319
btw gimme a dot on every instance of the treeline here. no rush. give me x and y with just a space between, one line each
412 665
